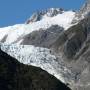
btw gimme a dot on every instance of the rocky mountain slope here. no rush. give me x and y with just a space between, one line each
74 48
55 40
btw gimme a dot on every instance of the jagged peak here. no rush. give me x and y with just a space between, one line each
83 12
85 9
37 16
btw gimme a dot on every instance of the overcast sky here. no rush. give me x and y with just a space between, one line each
17 11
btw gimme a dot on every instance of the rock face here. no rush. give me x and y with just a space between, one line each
17 76
43 38
75 49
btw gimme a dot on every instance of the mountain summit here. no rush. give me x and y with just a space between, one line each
48 12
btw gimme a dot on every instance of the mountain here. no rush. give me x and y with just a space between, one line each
55 40
17 76
20 31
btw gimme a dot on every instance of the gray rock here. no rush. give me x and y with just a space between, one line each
43 38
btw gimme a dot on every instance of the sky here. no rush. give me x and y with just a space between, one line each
18 11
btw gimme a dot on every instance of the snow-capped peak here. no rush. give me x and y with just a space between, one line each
40 14
17 32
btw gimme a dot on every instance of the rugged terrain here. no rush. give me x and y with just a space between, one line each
55 40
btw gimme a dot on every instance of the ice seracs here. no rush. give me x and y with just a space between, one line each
40 57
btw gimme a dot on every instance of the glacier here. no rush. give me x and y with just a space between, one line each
40 57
